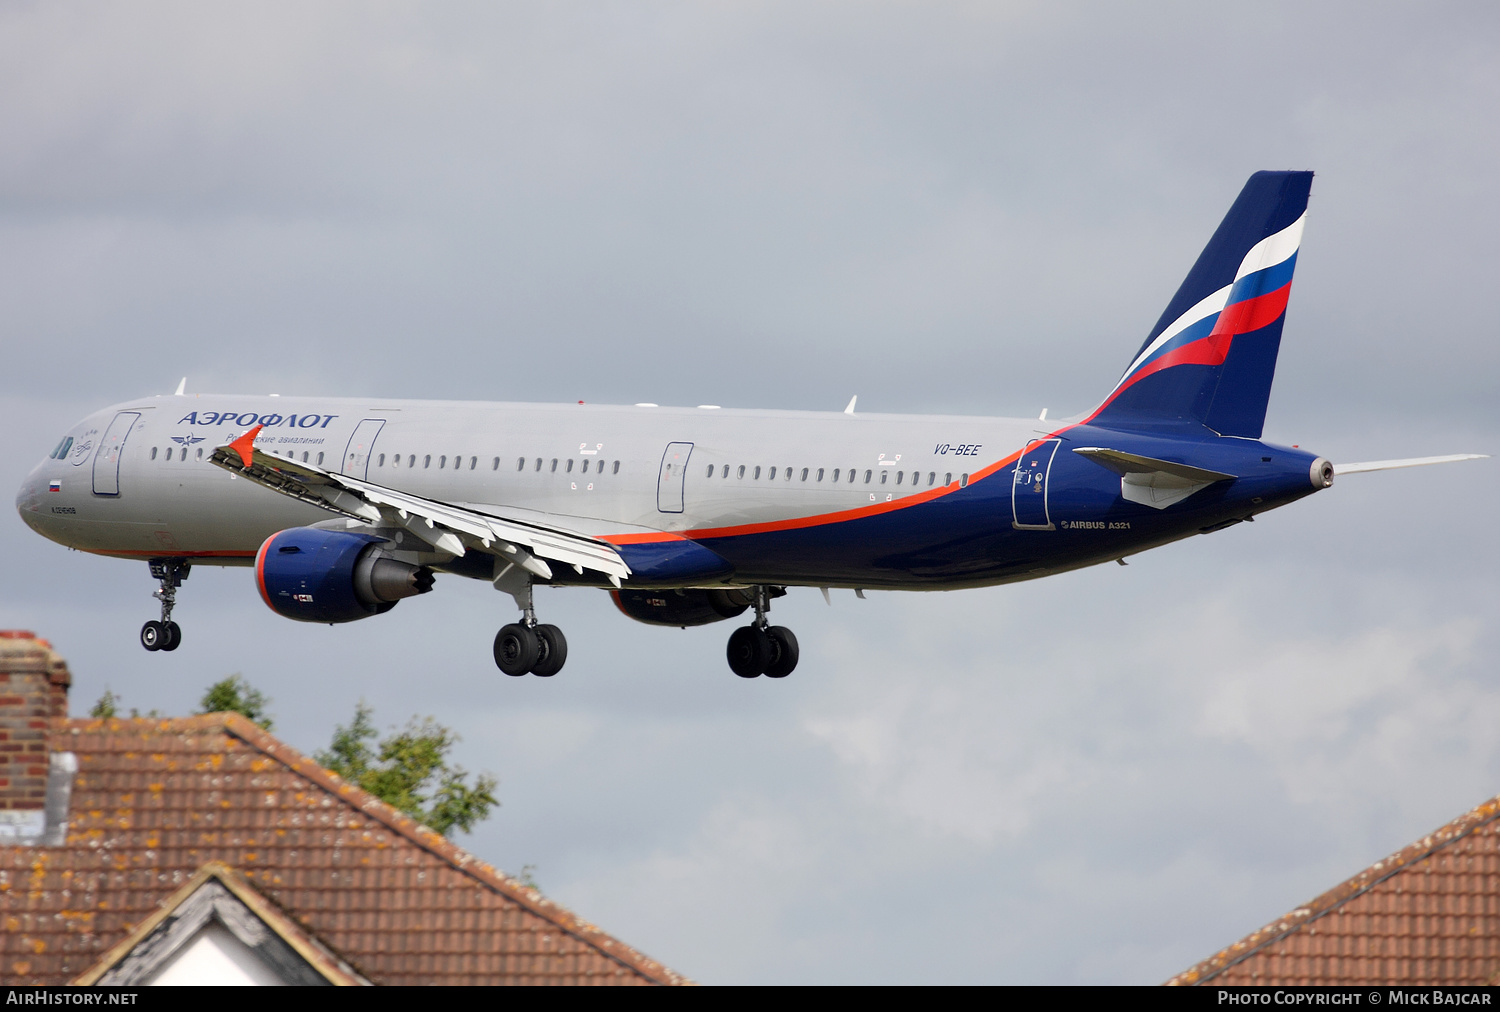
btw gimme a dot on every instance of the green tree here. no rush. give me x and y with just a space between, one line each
235 695
409 770
108 706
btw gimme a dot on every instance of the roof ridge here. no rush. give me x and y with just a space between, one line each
1349 889
302 940
248 731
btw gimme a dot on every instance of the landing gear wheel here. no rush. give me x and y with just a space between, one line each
554 651
749 651
153 634
516 649
784 645
171 635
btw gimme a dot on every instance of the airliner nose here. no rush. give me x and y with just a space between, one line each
30 498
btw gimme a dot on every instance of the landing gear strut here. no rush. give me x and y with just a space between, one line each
527 646
166 634
761 648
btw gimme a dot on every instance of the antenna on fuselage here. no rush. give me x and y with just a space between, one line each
181 388
850 409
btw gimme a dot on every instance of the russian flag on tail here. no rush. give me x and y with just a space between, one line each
1211 358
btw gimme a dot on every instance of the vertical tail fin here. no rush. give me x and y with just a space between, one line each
1211 357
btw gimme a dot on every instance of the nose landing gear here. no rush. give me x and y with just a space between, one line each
166 634
528 647
761 648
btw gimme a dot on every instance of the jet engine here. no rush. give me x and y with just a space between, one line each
681 607
314 575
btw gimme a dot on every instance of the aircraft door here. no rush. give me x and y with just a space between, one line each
669 482
111 448
357 455
1029 490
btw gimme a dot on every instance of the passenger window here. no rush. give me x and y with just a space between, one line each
787 474
320 458
772 475
852 473
474 462
539 464
411 460
883 476
496 465
742 471
898 476
427 460
304 456
820 474
804 474
520 463
710 473
570 466
616 469
867 477
200 452
948 478
931 478
835 474
554 465
726 470
757 472
963 481
382 461
443 462
153 453
585 465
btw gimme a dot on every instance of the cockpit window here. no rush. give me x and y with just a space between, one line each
62 448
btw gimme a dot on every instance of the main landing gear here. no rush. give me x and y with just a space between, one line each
761 648
526 646
166 634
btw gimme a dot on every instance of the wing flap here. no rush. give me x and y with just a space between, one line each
446 527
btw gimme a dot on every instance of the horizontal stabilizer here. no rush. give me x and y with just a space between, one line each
444 526
1121 462
1149 481
1391 465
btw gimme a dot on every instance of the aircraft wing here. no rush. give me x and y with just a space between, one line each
445 527
1389 465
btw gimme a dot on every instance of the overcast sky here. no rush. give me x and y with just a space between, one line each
1101 777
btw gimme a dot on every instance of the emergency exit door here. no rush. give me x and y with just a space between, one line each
357 455
669 481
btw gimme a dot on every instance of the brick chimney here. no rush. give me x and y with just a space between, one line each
34 684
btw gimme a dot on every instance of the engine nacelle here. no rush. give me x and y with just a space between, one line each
681 607
313 575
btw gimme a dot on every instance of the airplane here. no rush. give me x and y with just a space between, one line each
344 507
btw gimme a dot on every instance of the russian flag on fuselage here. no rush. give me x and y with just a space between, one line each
1212 355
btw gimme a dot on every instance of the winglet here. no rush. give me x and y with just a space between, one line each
245 445
181 388
850 409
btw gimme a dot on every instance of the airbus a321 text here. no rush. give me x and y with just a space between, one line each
344 506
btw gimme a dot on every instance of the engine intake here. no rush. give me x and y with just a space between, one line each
681 607
314 575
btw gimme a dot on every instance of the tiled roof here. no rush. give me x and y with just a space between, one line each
140 954
1428 914
154 800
